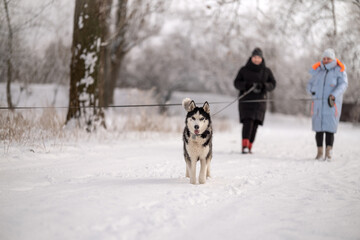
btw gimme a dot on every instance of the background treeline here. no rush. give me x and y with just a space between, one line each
188 45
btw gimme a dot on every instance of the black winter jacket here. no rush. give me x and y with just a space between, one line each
247 76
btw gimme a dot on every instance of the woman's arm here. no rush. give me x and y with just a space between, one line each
342 83
270 83
239 82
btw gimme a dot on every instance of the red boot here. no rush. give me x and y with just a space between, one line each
245 146
250 146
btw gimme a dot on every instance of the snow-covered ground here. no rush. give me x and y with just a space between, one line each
133 187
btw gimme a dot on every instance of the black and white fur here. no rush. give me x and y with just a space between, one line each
197 137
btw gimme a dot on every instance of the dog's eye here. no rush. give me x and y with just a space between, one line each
202 119
193 118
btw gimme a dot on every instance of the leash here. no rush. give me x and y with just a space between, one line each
111 106
236 99
169 104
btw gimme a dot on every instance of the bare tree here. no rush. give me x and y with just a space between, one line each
116 52
348 49
316 23
87 64
163 70
132 26
334 16
9 57
20 62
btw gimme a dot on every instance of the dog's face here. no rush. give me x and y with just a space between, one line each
198 118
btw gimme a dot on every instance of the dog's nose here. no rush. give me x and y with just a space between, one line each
196 127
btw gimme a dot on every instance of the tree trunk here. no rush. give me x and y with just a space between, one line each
334 16
87 64
9 58
115 66
117 53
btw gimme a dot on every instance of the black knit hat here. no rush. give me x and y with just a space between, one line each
257 52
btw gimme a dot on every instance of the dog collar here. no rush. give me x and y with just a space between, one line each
193 136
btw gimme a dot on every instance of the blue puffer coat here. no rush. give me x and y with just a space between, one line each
327 80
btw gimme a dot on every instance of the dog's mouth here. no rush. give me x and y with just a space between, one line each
197 132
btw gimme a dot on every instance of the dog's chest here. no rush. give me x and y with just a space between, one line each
195 147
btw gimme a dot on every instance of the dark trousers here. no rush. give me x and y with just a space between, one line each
249 129
329 138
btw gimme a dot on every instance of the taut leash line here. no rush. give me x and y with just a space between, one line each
236 99
169 104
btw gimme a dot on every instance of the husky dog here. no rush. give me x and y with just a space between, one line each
197 139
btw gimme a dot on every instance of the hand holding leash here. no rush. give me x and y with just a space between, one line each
258 87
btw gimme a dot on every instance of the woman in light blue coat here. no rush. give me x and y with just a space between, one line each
327 86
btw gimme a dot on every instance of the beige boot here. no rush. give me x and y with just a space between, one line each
328 153
319 153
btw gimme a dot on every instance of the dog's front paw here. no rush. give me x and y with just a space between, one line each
202 180
193 180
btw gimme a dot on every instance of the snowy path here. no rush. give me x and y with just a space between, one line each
135 188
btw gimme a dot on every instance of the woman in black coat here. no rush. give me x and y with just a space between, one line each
252 114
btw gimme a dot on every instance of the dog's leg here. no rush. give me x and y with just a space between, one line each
203 170
188 167
193 172
208 161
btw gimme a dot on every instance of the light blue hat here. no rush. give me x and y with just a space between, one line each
330 53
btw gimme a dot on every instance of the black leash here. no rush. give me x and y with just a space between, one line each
111 106
236 99
169 104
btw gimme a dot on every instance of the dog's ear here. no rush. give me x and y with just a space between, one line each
188 104
206 107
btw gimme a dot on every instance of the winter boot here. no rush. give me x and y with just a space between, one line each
245 146
250 146
328 153
319 153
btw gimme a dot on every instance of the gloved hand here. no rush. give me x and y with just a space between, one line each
258 87
331 100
